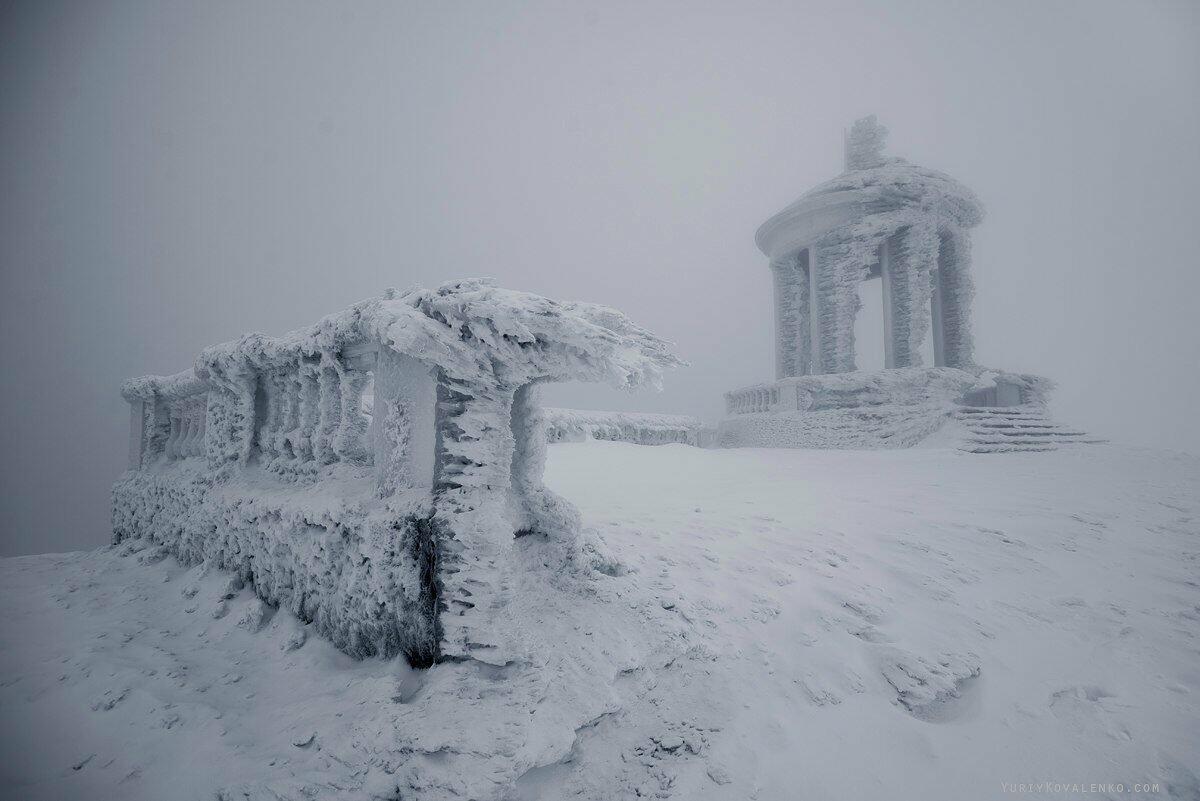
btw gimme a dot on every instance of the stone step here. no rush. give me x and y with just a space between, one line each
1001 410
1043 442
1007 448
1013 429
1037 432
1010 425
1037 443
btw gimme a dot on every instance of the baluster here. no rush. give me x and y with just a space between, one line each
196 424
309 410
329 412
186 429
290 389
277 412
172 448
270 421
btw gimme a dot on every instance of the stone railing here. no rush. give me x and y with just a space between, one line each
576 425
886 408
370 472
901 386
754 399
168 417
291 413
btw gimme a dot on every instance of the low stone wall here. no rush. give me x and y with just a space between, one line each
895 408
357 568
576 425
887 426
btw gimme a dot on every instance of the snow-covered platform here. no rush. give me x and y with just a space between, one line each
858 624
976 410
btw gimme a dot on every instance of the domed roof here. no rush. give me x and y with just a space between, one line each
872 184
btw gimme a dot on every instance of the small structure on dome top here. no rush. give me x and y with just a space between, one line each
369 472
908 226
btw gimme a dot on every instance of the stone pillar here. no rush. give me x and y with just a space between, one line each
838 273
137 433
350 440
403 423
815 266
885 278
913 260
472 473
956 293
790 295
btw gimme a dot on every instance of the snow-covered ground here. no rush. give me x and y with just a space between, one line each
766 624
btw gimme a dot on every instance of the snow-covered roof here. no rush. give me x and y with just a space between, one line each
471 329
872 183
907 184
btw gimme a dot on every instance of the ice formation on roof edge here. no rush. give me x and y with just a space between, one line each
471 329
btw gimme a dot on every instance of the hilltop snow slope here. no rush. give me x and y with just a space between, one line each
763 624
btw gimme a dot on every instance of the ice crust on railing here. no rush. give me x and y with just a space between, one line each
443 471
574 425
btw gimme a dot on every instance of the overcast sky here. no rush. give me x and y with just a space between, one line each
176 174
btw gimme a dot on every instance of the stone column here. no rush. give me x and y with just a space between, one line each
913 261
885 278
956 291
814 312
403 429
137 433
790 318
838 275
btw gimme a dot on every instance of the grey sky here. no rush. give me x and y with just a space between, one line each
177 174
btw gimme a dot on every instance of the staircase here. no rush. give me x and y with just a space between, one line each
1003 429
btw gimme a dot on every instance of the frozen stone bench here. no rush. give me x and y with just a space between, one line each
369 472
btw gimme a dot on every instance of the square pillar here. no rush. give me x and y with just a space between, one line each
403 428
885 278
814 313
137 434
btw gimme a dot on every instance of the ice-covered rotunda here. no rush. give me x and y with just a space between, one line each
908 226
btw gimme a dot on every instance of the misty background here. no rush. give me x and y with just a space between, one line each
176 174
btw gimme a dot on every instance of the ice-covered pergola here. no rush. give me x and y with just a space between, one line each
910 227
370 472
883 217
